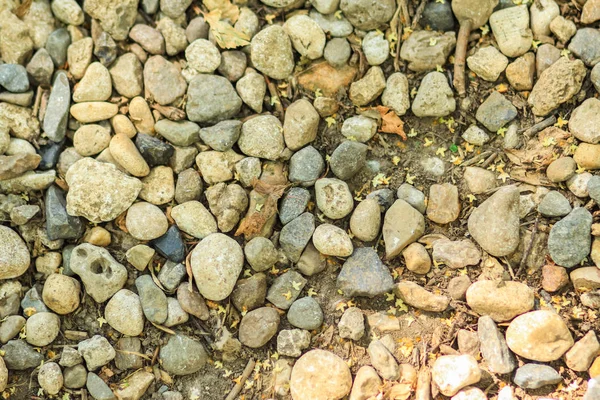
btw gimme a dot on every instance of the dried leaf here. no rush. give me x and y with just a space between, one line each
228 10
120 221
23 9
227 36
390 122
535 152
253 224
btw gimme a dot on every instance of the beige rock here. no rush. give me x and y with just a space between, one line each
479 180
366 220
564 29
122 124
452 373
520 72
93 111
366 384
332 241
124 313
140 114
98 236
95 85
127 155
415 295
140 256
582 354
368 88
79 56
145 221
542 13
444 205
194 219
402 225
488 63
540 335
61 293
561 169
217 166
554 277
300 124
383 361
91 139
417 258
320 375
456 255
14 254
587 278
15 42
511 30
584 121
48 263
590 12
587 156
502 301
135 386
159 186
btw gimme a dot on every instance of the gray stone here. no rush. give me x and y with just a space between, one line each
126 74
584 119
116 17
149 38
306 166
97 388
100 273
250 293
22 214
347 159
586 45
384 197
434 97
438 16
75 377
425 50
163 80
476 136
233 64
57 111
535 376
127 357
19 356
96 351
285 289
189 186
511 30
363 274
13 77
293 204
11 327
366 15
222 136
105 49
262 137
153 299
180 133
305 313
32 301
224 104
59 224
70 357
352 324
271 52
261 253
296 234
57 45
554 204
412 196
50 378
291 342
493 347
495 112
306 35
337 52
252 89
171 274
258 327
332 24
375 47
570 239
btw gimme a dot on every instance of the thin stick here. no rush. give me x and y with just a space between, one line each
526 254
529 132
238 386
38 99
460 56
489 160
418 14
273 93
476 158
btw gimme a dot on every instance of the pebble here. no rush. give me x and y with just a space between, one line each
458 286
456 254
581 356
563 28
227 203
300 124
175 313
306 36
61 293
557 85
570 240
311 262
383 361
11 327
333 198
554 204
359 128
217 166
291 342
189 186
541 15
258 327
479 180
194 219
171 274
135 386
412 196
415 295
140 256
395 95
19 356
222 136
225 102
365 222
332 24
163 80
75 377
124 313
434 97
126 74
13 77
14 254
233 64
93 111
502 301
493 347
146 221
495 223
511 30
95 85
293 204
488 63
296 234
332 241
305 313
22 214
96 352
399 235
16 45
561 169
70 357
583 45
539 336
42 328
182 355
535 376
578 184
192 302
32 300
363 274
15 165
546 55
587 278
451 373
262 137
79 56
520 72
249 294
352 324
416 258
348 159
101 275
367 88
425 50
56 45
271 52
586 156
203 56
149 38
375 47
285 289
182 133
554 278
443 206
50 378
41 67
495 112
328 374
97 388
583 119
261 253
337 52
438 16
216 263
252 89
57 111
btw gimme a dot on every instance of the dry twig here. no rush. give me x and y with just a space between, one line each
240 384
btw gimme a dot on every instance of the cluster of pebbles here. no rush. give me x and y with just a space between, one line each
170 200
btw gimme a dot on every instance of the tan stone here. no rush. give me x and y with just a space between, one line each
416 258
61 293
127 155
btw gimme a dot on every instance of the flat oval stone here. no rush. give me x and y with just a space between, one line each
320 375
501 301
14 254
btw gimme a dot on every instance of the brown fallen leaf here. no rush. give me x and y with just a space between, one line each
228 10
391 122
227 36
23 9
539 151
253 224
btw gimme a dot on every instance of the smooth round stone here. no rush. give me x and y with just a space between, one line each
149 38
93 111
14 254
306 35
61 293
332 241
50 378
127 155
306 165
193 218
42 328
146 221
159 186
262 137
334 198
258 327
305 313
359 128
320 375
261 253
366 220
216 264
453 372
183 355
540 335
376 48
124 313
13 77
75 377
98 236
91 139
503 301
337 52
561 169
95 85
203 56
